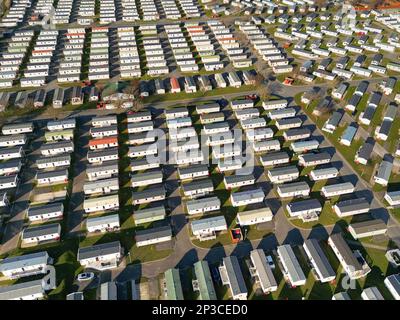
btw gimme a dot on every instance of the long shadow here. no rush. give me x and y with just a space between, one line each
293 237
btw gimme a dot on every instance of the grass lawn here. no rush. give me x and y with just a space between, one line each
147 253
199 94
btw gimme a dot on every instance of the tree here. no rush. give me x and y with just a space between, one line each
320 3
375 3
133 87
264 92
137 105
296 72
241 37
258 79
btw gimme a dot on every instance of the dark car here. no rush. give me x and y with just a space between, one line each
215 275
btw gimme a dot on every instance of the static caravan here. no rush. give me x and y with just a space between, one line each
314 159
143 164
337 189
104 131
226 151
56 148
283 174
58 98
13 140
17 128
61 124
103 186
371 293
102 171
149 215
198 187
229 164
104 121
103 224
148 195
392 198
352 262
323 173
10 167
341 296
52 177
369 228
321 266
29 290
392 283
274 104
203 205
243 114
288 123
66 134
348 135
262 272
102 155
281 113
293 189
296 134
253 123
291 267
364 153
103 203
143 150
241 104
304 146
141 126
153 235
217 127
9 182
45 212
146 178
189 157
141 116
351 207
232 276
307 209
42 233
194 171
100 256
26 265
206 228
274 158
255 216
208 108
383 173
259 134
242 198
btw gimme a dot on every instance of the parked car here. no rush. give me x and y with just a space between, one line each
270 262
215 275
85 276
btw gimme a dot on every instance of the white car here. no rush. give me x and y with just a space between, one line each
270 262
85 276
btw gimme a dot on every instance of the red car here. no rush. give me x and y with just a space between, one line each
252 97
236 235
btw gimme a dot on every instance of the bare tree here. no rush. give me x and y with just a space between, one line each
264 92
296 72
241 37
320 3
133 87
375 3
137 105
354 3
258 79
100 87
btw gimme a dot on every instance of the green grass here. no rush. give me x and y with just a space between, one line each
199 94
